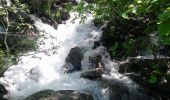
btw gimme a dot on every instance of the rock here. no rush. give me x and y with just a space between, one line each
96 44
141 69
51 22
120 91
74 95
74 57
92 74
41 95
68 68
64 15
55 7
59 95
59 20
55 25
95 60
45 20
165 50
3 91
137 65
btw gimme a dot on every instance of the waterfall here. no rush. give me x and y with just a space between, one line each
42 69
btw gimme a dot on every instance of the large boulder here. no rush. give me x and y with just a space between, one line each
60 95
150 74
74 58
92 74
120 90
3 91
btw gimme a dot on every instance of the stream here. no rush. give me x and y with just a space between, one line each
43 69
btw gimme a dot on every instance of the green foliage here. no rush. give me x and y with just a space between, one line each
45 9
15 18
152 79
163 26
159 8
150 11
2 54
57 14
113 49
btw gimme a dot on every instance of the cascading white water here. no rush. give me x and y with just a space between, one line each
42 69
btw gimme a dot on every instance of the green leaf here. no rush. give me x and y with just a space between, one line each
152 79
125 15
164 28
163 17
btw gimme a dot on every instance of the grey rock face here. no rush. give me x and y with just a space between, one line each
74 58
60 95
92 74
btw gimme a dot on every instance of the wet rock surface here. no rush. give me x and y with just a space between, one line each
150 74
92 74
74 59
50 22
122 92
64 15
95 60
137 65
119 90
60 95
3 91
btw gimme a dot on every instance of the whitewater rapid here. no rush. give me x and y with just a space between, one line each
42 69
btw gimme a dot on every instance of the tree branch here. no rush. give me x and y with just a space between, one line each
6 34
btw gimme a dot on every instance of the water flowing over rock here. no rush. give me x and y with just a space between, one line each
95 61
50 22
3 91
74 57
43 69
92 74
141 69
60 95
39 74
120 91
